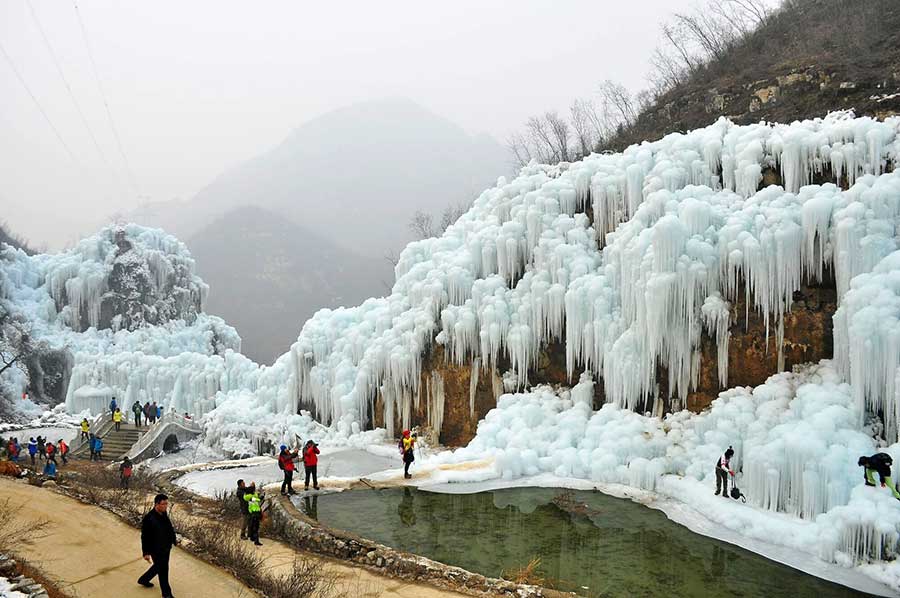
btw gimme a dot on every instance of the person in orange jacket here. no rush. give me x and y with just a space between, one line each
63 451
311 464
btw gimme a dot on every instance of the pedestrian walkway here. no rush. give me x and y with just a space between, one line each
83 547
82 551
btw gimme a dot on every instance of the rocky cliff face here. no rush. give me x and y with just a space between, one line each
753 356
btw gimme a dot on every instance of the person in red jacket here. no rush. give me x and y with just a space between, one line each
311 463
286 464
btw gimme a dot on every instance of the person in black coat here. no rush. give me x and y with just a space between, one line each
157 540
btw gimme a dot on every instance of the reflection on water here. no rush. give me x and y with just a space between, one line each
587 541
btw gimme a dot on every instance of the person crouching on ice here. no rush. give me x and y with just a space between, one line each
723 468
880 463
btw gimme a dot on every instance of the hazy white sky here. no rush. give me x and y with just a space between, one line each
195 87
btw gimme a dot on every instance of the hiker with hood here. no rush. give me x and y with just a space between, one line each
879 463
407 445
112 405
723 468
286 464
50 469
157 539
125 471
254 512
98 448
137 410
245 514
311 463
85 429
117 418
32 449
63 451
12 450
158 411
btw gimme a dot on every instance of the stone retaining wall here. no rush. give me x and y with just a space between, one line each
10 570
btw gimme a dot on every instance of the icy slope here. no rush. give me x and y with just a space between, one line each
627 258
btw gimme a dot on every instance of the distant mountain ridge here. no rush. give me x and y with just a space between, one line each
341 189
269 275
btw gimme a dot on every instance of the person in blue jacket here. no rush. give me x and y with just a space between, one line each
32 449
50 469
112 406
98 448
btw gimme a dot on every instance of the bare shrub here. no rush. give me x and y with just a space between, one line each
306 579
528 574
14 530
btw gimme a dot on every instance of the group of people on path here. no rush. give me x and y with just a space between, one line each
148 412
38 449
94 442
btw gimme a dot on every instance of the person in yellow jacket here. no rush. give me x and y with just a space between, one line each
85 429
117 418
254 510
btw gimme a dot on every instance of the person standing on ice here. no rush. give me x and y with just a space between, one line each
723 468
880 463
311 464
137 410
407 446
286 464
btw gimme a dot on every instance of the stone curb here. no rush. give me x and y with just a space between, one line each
20 583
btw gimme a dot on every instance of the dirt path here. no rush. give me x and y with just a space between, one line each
83 549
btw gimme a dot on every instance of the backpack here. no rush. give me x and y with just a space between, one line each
126 472
737 494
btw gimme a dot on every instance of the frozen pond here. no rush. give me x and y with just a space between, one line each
588 542
344 463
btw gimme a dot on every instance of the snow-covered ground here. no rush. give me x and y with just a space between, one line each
6 592
339 464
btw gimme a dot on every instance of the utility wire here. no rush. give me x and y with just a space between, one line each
69 89
37 103
112 123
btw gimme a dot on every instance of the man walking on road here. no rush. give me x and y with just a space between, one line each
157 540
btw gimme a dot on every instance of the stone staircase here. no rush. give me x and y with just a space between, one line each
115 444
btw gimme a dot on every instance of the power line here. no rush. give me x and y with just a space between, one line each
37 103
112 123
69 89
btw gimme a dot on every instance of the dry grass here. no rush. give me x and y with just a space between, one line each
219 542
529 574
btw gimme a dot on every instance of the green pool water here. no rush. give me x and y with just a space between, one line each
588 542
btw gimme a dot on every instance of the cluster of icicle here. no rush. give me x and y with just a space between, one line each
77 278
680 227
